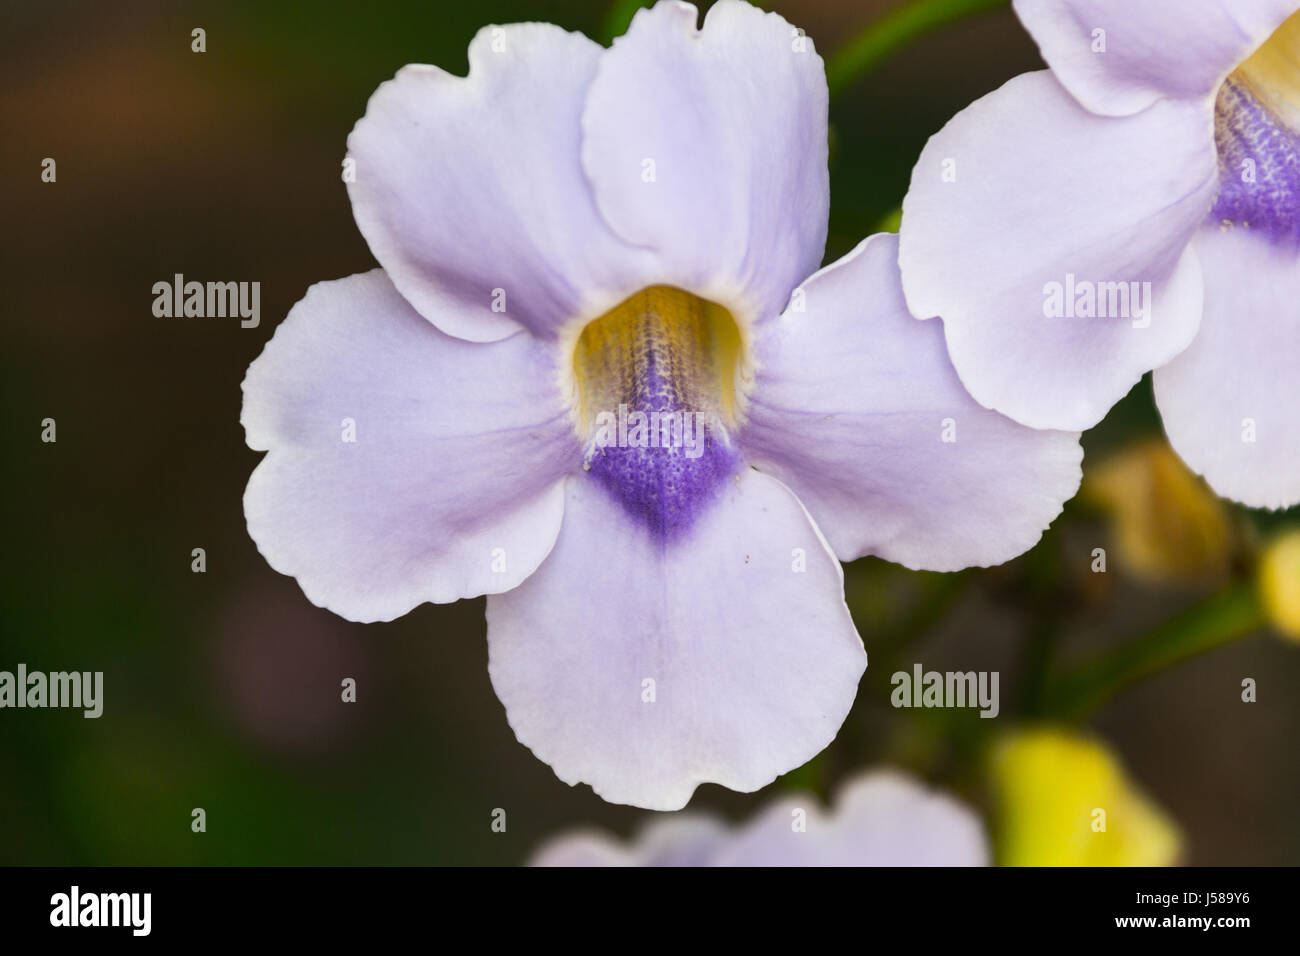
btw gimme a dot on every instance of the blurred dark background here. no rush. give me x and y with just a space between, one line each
222 688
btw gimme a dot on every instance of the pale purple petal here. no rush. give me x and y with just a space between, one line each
857 408
683 839
709 146
453 486
1149 49
1022 202
1231 402
583 848
880 819
740 625
471 194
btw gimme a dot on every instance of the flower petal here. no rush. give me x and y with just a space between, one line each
857 408
1231 402
1148 49
1022 196
882 818
452 486
1047 785
710 147
682 839
742 627
466 186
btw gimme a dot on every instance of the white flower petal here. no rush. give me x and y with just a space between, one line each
1231 402
1024 191
1148 49
755 662
880 819
857 408
471 194
681 839
453 486
709 146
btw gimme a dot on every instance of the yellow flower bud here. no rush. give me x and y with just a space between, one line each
1167 524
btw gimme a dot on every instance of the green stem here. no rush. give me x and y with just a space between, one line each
1213 623
892 32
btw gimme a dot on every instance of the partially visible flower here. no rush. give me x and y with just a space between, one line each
1279 581
601 379
881 818
1064 800
1168 526
1135 207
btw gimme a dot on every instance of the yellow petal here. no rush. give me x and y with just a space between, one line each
1064 800
1279 582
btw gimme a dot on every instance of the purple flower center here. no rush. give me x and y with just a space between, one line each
656 390
1257 133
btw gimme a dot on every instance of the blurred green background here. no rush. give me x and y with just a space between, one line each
222 688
